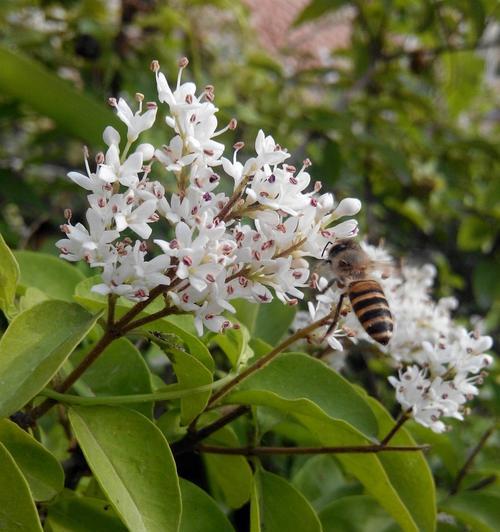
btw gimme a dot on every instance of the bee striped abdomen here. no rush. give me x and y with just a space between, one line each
372 310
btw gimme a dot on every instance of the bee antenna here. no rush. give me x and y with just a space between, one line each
326 247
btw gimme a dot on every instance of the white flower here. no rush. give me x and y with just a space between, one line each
248 244
136 123
90 245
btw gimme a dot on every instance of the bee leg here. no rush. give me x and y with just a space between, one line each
335 316
331 282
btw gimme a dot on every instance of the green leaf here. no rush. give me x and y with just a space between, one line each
72 512
475 233
190 373
336 414
32 296
317 8
408 473
280 506
319 480
356 513
441 445
230 477
34 347
269 322
234 343
53 276
246 313
9 276
300 384
484 282
39 467
200 512
273 321
481 511
17 509
74 112
133 464
119 370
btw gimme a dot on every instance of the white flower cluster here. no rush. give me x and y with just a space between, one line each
249 244
440 362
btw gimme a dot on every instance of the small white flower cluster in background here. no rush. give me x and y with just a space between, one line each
250 243
439 362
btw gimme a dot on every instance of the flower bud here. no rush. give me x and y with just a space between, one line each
347 207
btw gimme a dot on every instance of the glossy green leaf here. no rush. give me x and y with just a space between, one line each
40 468
170 425
72 512
31 297
230 477
53 276
74 112
441 445
9 276
303 385
119 370
273 321
317 8
481 511
336 414
17 509
133 464
280 506
193 344
234 343
200 512
246 313
319 480
190 373
35 346
357 513
409 473
269 322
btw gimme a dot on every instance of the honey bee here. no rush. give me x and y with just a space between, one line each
352 268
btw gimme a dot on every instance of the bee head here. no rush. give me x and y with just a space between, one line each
347 259
341 248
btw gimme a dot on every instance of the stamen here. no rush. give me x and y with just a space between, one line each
183 63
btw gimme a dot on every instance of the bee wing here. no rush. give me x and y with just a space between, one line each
386 268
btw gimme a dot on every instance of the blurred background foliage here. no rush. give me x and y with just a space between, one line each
402 112
399 106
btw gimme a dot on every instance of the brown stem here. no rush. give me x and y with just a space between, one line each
223 213
191 440
265 360
355 449
470 460
139 307
111 309
483 483
403 418
148 319
239 273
